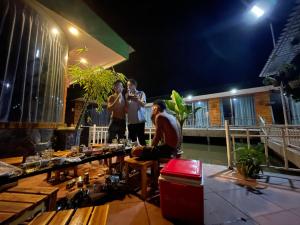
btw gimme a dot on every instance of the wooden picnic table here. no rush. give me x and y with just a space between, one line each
19 203
13 160
120 152
15 208
96 215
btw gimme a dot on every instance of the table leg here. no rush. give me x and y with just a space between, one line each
144 182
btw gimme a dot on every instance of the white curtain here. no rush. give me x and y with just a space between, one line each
201 116
244 110
295 111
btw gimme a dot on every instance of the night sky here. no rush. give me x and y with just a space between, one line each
195 47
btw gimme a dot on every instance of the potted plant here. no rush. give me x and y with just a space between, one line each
249 160
180 109
97 84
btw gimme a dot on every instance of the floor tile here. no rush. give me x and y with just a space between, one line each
127 199
127 214
217 210
296 211
279 218
219 184
155 216
249 203
283 198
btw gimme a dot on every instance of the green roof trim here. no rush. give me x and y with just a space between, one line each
77 12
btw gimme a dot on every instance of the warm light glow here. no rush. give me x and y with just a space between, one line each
233 91
257 11
74 31
83 61
189 97
66 58
55 31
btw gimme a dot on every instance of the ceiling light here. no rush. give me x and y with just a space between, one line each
74 31
233 91
83 61
189 97
55 31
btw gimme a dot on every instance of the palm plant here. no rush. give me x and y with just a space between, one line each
179 108
96 82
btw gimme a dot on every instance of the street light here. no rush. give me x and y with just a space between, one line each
258 11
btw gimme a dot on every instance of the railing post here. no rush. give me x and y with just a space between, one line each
228 144
94 133
150 131
266 150
248 138
101 134
284 146
233 148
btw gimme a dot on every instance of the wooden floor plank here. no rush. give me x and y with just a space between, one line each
33 190
5 216
81 216
43 218
99 215
14 207
62 217
19 197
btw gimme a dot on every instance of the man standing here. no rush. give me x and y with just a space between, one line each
166 140
136 101
116 105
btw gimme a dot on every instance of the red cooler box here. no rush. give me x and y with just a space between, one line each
181 191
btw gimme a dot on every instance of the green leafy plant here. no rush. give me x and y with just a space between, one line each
289 77
179 108
249 160
96 82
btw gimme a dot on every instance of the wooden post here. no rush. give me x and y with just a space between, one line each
228 144
284 146
233 147
248 138
266 151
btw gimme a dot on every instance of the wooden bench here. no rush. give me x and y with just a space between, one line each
15 208
142 166
84 216
49 192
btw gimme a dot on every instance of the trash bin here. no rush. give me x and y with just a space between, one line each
181 191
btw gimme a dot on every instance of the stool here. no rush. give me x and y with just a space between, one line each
142 166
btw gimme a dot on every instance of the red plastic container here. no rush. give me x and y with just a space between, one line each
181 191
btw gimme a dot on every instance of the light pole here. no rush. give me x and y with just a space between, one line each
258 12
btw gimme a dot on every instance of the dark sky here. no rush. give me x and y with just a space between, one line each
192 46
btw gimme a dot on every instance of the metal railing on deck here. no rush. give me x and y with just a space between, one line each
288 137
99 134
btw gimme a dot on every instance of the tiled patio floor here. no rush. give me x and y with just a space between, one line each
228 200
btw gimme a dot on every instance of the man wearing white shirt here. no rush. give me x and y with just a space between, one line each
135 101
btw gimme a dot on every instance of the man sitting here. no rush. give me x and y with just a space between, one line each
167 131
